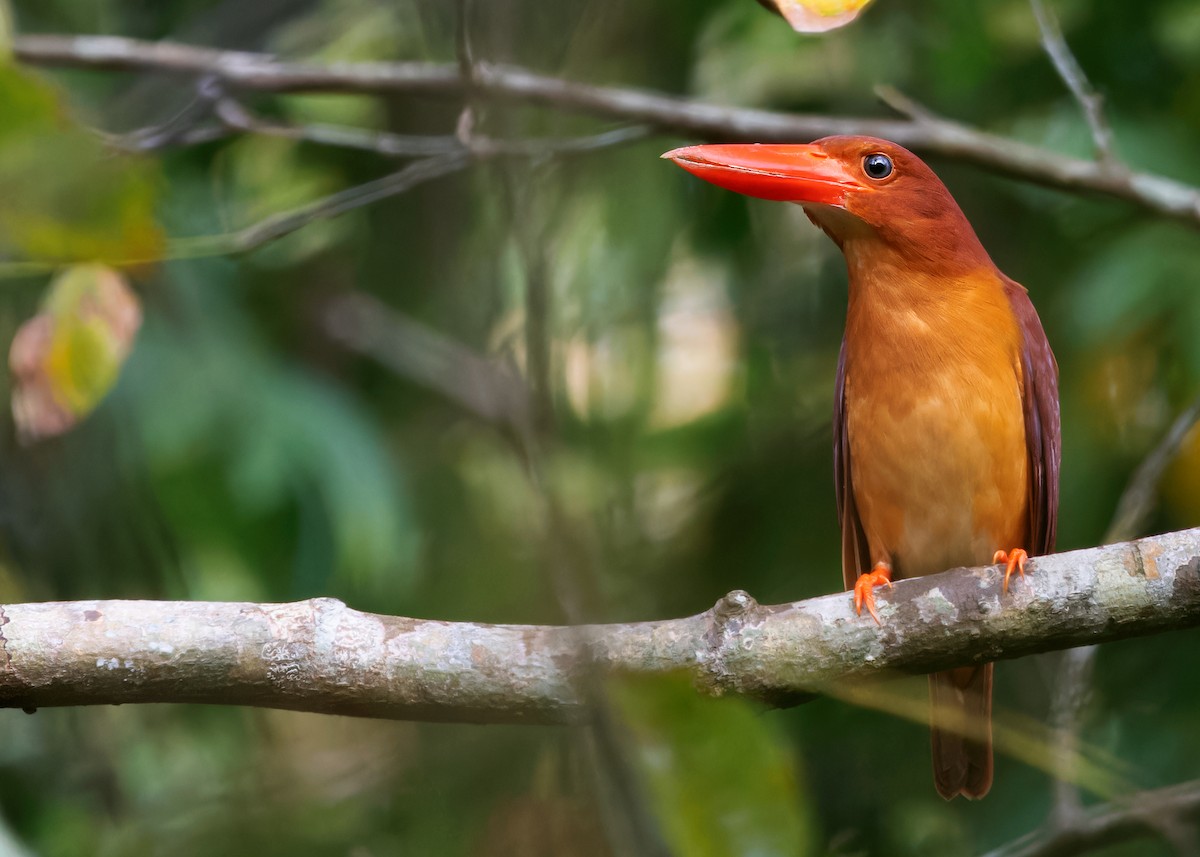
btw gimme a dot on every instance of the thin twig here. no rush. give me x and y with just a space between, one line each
893 98
1141 494
663 112
189 126
237 117
465 55
1143 814
1072 690
285 223
179 126
482 386
534 147
334 205
144 140
1072 74
277 226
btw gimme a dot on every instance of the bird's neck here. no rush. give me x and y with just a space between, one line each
907 305
935 243
946 248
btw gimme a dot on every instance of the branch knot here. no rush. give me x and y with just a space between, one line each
728 617
733 604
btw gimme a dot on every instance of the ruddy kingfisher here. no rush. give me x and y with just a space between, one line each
946 437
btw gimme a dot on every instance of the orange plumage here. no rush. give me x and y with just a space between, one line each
946 424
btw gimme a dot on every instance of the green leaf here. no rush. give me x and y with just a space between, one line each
281 437
719 774
1144 277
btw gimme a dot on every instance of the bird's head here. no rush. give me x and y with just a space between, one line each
867 194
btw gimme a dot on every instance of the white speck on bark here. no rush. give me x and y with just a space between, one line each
935 607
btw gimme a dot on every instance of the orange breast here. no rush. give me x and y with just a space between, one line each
935 423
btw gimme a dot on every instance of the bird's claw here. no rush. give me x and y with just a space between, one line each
1013 560
864 589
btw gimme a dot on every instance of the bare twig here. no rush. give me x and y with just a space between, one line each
148 139
534 147
665 113
334 205
235 116
893 98
1146 813
412 350
184 128
1068 68
190 126
1141 494
465 55
321 656
418 172
1072 689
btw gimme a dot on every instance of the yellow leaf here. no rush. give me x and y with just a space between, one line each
817 16
66 358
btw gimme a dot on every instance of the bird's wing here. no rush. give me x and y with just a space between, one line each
856 559
1043 432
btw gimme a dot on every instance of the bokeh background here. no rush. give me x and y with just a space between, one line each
669 350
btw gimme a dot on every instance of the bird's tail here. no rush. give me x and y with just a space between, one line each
960 703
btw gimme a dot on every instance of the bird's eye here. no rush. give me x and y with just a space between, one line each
877 166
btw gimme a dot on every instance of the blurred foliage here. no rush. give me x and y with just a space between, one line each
78 200
718 777
692 338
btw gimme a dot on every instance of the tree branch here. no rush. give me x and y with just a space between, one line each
1068 68
924 132
321 656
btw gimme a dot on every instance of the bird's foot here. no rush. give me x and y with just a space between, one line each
864 588
1013 560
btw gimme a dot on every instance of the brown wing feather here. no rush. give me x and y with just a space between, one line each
1043 430
855 555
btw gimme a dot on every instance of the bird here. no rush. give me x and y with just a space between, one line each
946 431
